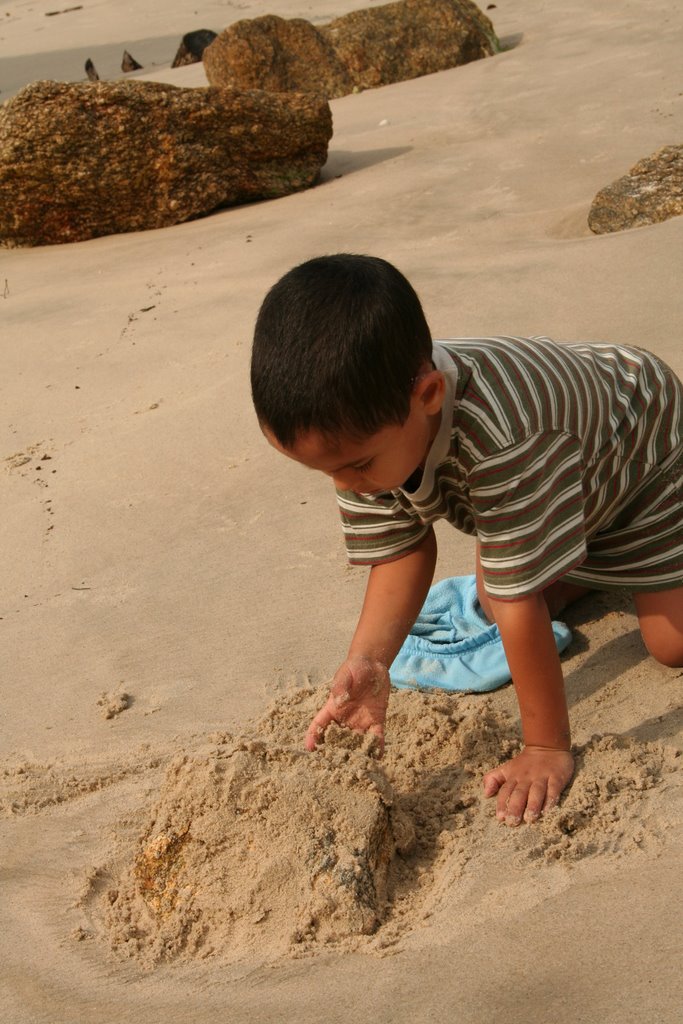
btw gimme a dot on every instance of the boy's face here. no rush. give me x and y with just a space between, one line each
383 461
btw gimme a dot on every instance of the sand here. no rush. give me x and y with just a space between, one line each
167 632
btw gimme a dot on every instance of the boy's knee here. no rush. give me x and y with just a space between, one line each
664 646
668 654
660 616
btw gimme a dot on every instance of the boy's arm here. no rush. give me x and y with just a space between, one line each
394 596
532 781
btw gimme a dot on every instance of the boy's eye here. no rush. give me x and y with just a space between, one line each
365 466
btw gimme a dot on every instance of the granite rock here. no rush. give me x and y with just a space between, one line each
78 160
651 192
410 38
364 49
276 54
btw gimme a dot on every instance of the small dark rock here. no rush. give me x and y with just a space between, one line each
192 47
90 71
129 63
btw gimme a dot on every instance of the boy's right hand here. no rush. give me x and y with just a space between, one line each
358 699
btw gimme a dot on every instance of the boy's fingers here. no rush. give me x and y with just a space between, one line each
316 730
516 804
552 797
378 731
492 781
535 801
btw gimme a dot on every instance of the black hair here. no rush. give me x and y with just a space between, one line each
337 345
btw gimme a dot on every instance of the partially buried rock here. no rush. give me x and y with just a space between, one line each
129 63
651 192
364 49
277 54
192 47
255 849
80 160
410 38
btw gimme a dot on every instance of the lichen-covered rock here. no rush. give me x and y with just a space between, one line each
192 46
651 192
81 160
277 54
410 38
360 50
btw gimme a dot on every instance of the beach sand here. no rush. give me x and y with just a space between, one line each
175 595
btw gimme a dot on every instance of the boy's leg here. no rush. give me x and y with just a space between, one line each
660 616
557 596
561 594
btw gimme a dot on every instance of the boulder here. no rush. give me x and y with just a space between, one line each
277 54
192 47
361 50
80 160
410 38
651 192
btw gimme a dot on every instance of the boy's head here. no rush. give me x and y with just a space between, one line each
340 342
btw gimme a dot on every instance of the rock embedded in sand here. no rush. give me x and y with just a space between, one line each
411 38
192 47
277 54
129 63
651 192
360 50
78 160
91 71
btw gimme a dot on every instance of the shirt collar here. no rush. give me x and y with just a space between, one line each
441 444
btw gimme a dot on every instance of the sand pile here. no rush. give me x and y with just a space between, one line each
256 849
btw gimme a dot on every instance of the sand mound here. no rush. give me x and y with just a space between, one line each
258 847
255 848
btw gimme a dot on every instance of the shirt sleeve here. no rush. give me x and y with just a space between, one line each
528 506
377 528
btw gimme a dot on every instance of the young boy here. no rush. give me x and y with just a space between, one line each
565 462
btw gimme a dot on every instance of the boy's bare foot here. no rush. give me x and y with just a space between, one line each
528 784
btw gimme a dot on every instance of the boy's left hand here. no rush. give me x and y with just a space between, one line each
529 783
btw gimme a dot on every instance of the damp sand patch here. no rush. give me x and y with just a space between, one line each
254 849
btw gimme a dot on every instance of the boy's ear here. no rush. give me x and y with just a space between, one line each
430 390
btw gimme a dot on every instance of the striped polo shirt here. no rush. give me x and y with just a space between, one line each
564 460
